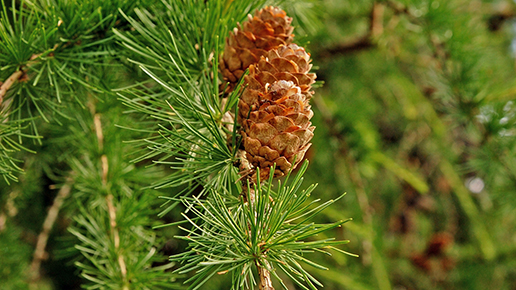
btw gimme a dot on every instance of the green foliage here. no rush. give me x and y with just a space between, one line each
8 144
128 264
271 232
413 117
184 46
12 269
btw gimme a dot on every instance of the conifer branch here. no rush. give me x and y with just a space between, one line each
109 201
437 70
13 78
39 252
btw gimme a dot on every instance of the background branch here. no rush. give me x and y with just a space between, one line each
360 43
53 212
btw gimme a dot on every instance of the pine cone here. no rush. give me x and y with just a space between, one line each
290 63
268 29
278 128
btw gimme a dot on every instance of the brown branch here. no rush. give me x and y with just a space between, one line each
98 131
265 278
105 168
9 210
399 8
116 236
17 75
3 219
376 20
496 21
109 200
8 83
39 253
246 170
363 42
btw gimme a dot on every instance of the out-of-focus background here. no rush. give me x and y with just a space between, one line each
416 122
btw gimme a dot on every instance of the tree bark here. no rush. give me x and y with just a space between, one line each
8 83
265 278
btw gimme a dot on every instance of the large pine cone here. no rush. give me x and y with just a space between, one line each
268 29
277 129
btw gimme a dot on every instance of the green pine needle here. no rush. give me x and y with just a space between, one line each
234 238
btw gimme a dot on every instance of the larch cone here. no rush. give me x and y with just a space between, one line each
266 30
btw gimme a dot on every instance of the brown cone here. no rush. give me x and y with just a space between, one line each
289 63
267 29
277 129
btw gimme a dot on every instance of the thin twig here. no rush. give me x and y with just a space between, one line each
98 131
360 43
246 171
9 210
376 26
228 118
115 234
109 200
39 252
105 169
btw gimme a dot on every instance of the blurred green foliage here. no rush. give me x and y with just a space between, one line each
416 122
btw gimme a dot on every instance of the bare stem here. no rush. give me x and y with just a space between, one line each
112 223
3 219
39 253
98 131
246 170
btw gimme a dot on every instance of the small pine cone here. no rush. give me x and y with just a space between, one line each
278 128
268 29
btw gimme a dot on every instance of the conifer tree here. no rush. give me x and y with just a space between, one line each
161 144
